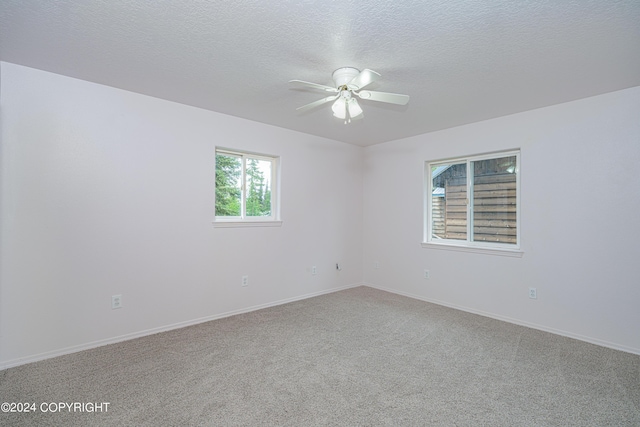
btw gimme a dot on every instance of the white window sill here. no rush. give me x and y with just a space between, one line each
515 253
238 224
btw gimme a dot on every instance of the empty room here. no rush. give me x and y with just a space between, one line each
412 213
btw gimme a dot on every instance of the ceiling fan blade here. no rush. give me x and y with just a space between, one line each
392 98
317 103
314 85
363 79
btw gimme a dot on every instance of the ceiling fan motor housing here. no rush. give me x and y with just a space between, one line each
344 75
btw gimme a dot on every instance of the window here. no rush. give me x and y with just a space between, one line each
474 202
246 189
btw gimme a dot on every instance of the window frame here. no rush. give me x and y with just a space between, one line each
251 221
468 245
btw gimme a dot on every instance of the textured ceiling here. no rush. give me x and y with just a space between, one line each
460 61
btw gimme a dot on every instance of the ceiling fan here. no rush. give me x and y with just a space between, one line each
350 81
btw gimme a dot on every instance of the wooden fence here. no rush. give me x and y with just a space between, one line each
494 209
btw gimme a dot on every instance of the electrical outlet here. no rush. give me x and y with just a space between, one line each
376 265
426 274
533 293
116 301
245 280
314 270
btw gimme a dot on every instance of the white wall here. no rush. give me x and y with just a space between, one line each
580 190
109 192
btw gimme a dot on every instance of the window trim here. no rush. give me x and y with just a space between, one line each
493 248
252 221
245 223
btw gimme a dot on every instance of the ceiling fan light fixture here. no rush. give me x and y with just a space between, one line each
354 108
339 108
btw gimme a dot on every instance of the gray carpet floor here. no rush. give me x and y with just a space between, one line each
359 357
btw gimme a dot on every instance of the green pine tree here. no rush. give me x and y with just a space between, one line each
228 170
255 189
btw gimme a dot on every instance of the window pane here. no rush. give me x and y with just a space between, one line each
228 185
494 200
449 201
258 187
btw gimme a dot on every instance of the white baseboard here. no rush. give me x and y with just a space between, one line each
76 348
579 337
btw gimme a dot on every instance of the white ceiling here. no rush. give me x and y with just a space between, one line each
460 61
